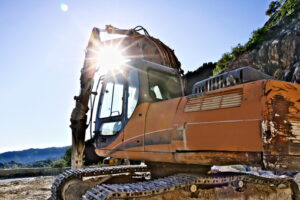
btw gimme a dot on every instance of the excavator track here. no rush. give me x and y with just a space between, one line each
162 185
65 177
184 181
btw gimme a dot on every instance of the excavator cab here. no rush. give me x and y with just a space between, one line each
124 88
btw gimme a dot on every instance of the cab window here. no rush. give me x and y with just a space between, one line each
163 86
110 128
112 106
133 92
113 98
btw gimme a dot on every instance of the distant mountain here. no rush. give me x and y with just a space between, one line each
33 155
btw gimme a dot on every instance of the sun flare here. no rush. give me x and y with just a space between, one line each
64 7
110 58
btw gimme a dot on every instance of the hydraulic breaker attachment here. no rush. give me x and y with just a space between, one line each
79 113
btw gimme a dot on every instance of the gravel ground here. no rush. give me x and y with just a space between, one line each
37 188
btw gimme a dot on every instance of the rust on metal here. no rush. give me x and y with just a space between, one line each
137 45
281 126
219 158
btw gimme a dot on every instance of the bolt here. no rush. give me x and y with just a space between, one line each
193 188
240 184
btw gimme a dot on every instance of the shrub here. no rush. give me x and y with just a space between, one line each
59 163
223 63
273 7
257 38
64 161
237 50
68 156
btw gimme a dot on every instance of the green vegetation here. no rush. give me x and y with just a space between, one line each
223 63
288 10
64 161
58 163
11 165
278 11
39 164
273 7
68 156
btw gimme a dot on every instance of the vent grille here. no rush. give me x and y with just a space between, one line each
227 79
228 99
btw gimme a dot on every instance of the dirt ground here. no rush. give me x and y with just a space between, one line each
39 188
26 188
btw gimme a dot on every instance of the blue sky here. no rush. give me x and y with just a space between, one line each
42 52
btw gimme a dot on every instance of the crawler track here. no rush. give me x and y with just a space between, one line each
68 175
162 185
182 181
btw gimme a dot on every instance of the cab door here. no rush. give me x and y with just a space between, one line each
110 115
135 114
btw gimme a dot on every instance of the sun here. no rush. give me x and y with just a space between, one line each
110 58
64 7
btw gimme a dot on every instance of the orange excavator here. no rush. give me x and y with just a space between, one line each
144 113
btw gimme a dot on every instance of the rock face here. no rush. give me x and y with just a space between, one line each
278 56
203 72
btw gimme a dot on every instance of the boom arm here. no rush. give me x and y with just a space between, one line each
79 117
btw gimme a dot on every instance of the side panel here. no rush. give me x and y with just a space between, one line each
238 135
281 126
159 126
223 120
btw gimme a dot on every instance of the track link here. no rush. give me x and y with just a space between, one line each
183 181
68 175
161 185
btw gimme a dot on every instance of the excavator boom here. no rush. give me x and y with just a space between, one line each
79 113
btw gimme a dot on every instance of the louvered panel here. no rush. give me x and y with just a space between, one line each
236 97
231 100
192 109
226 99
211 103
210 107
193 104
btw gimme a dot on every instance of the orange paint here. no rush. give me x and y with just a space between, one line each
225 126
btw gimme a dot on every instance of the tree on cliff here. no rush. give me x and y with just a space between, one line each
273 7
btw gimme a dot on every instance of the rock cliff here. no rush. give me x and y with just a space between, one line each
273 49
274 56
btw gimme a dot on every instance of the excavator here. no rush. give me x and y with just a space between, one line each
144 113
